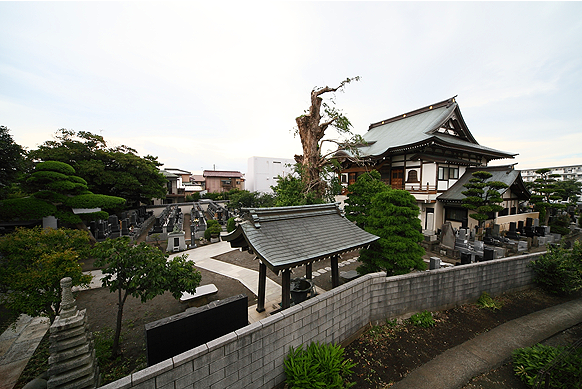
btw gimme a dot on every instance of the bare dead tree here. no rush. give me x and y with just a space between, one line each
311 127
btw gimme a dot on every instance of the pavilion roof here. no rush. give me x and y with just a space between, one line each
288 237
506 174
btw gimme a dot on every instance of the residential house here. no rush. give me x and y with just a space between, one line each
179 186
427 152
223 181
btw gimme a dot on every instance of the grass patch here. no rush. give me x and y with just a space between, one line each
486 301
422 319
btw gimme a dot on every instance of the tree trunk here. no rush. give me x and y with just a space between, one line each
115 347
311 132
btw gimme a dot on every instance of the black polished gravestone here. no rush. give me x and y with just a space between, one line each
176 334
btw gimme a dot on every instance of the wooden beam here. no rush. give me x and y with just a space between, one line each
286 289
262 287
334 271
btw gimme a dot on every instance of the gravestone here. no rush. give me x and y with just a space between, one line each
462 234
125 227
157 226
435 263
478 245
448 236
488 254
114 221
495 231
101 234
529 222
536 222
176 334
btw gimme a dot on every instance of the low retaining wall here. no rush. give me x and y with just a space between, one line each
253 356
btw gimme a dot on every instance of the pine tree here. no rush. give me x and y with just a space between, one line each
393 216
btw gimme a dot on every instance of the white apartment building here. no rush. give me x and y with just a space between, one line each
573 172
262 172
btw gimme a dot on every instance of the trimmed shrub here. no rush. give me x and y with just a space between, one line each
28 208
55 166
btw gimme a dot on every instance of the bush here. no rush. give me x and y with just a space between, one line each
318 366
560 225
422 319
230 225
566 371
559 271
486 301
212 228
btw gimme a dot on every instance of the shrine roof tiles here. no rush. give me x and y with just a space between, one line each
419 127
287 237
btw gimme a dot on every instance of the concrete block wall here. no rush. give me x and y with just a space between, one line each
253 356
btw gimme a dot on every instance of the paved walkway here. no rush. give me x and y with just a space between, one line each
455 367
17 346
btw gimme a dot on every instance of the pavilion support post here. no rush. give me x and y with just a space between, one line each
286 289
334 272
309 271
262 287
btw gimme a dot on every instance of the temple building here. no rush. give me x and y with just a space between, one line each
426 152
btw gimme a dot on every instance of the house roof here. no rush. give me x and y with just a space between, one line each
439 123
167 174
506 174
287 237
222 173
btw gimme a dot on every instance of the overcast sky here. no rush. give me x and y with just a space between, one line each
203 84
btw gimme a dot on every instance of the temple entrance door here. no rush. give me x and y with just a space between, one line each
397 180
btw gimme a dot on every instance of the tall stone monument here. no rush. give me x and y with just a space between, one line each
72 363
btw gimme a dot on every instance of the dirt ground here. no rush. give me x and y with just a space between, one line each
385 354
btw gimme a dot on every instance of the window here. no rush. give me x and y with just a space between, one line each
443 173
344 178
456 214
446 173
412 176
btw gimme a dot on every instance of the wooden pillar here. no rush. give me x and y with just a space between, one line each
262 287
286 289
308 271
334 272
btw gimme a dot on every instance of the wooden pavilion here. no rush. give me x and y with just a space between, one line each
283 238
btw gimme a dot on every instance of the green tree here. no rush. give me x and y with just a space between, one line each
33 262
482 196
569 190
56 185
393 216
311 127
12 161
141 271
115 171
290 190
360 196
239 199
545 194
